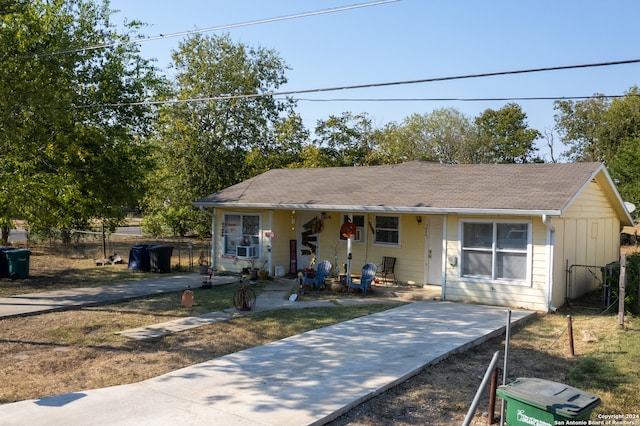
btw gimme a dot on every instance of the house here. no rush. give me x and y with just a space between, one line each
498 234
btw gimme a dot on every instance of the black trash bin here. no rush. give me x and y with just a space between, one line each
139 258
160 258
4 262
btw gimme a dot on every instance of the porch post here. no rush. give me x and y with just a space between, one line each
213 240
270 247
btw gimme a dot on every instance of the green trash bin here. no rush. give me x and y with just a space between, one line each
532 401
18 263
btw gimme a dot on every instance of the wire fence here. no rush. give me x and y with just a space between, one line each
187 253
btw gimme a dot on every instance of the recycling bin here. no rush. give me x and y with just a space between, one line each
537 401
160 258
139 258
18 263
4 262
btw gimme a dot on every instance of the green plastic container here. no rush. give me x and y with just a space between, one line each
18 262
538 402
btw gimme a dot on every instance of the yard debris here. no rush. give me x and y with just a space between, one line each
112 260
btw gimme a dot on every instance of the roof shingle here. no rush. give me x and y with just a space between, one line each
413 186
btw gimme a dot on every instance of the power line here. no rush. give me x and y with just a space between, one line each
518 98
375 85
223 27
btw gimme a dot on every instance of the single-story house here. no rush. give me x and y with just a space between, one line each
498 234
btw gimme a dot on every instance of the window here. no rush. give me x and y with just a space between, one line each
497 251
388 230
359 221
241 235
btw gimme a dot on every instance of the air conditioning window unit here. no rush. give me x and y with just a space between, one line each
246 252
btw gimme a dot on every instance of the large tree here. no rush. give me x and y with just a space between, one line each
71 137
579 124
225 126
504 136
344 140
601 129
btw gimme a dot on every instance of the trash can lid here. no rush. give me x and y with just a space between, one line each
550 396
16 252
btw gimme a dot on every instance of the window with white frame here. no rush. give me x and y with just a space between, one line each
387 230
359 221
241 235
498 251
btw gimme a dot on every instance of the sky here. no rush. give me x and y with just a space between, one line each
409 40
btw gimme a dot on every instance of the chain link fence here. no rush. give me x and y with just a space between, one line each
584 279
187 254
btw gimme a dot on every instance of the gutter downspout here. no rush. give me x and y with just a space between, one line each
551 237
213 235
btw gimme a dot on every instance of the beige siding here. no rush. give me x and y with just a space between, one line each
528 296
280 249
587 234
409 254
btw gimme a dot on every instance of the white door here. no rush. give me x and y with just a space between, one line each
433 233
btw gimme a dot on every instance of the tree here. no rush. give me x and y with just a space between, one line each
72 143
444 135
600 129
579 124
503 136
204 146
344 140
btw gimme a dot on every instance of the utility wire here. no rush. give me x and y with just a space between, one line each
374 85
222 27
518 98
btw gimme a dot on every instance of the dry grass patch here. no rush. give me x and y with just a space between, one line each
71 351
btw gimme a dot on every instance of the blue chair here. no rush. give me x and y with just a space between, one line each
368 275
317 277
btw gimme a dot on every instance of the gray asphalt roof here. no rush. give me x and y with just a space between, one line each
413 187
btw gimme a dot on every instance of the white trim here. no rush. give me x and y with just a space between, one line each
389 245
527 282
380 209
551 236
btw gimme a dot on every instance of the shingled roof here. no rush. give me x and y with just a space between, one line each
418 187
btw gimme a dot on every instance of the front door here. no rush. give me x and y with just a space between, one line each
433 233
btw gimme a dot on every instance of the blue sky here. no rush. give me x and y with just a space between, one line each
420 39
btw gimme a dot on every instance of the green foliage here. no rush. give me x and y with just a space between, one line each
152 225
631 301
504 136
448 136
600 129
344 141
202 147
68 154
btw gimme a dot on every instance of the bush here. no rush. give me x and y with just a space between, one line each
632 285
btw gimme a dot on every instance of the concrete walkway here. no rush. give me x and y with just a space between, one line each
310 378
37 303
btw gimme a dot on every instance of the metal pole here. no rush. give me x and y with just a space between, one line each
476 399
348 261
570 325
506 358
492 395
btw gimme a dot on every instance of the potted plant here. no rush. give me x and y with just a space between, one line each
203 264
